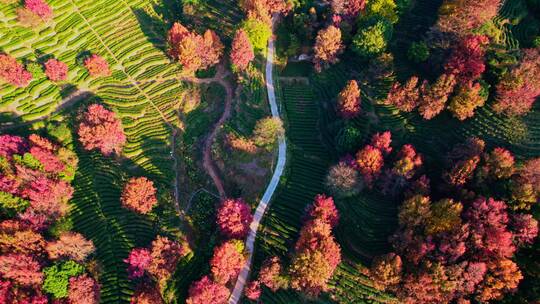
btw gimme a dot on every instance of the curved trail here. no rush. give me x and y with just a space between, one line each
263 204
208 165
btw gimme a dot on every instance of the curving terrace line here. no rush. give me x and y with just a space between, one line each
263 204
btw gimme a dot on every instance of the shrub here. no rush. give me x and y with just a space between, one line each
57 278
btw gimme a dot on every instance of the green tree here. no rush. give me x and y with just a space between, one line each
267 131
383 8
372 40
258 33
57 277
418 52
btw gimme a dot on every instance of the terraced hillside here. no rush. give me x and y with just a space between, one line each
309 161
142 87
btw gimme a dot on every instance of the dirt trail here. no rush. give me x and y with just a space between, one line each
220 77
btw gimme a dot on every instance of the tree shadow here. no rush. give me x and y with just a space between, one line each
154 29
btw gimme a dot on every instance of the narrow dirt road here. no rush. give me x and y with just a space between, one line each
263 204
208 165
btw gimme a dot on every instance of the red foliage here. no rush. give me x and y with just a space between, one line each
21 268
269 275
39 7
10 145
382 141
138 261
253 290
241 50
50 162
234 217
101 129
349 100
139 195
369 162
194 51
227 261
176 34
519 89
317 256
146 294
21 240
56 70
48 197
503 276
327 47
404 97
531 173
462 171
13 72
499 163
434 97
83 290
165 255
207 291
317 253
70 245
97 66
466 62
210 49
490 237
263 9
462 16
408 161
323 208
525 229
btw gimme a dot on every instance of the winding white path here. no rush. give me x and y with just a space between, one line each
261 208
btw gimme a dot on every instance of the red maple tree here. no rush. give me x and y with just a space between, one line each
70 245
139 195
101 129
241 50
13 72
349 100
138 261
97 66
207 291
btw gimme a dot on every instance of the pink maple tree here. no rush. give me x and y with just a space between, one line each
70 245
138 261
234 217
83 290
40 8
56 70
